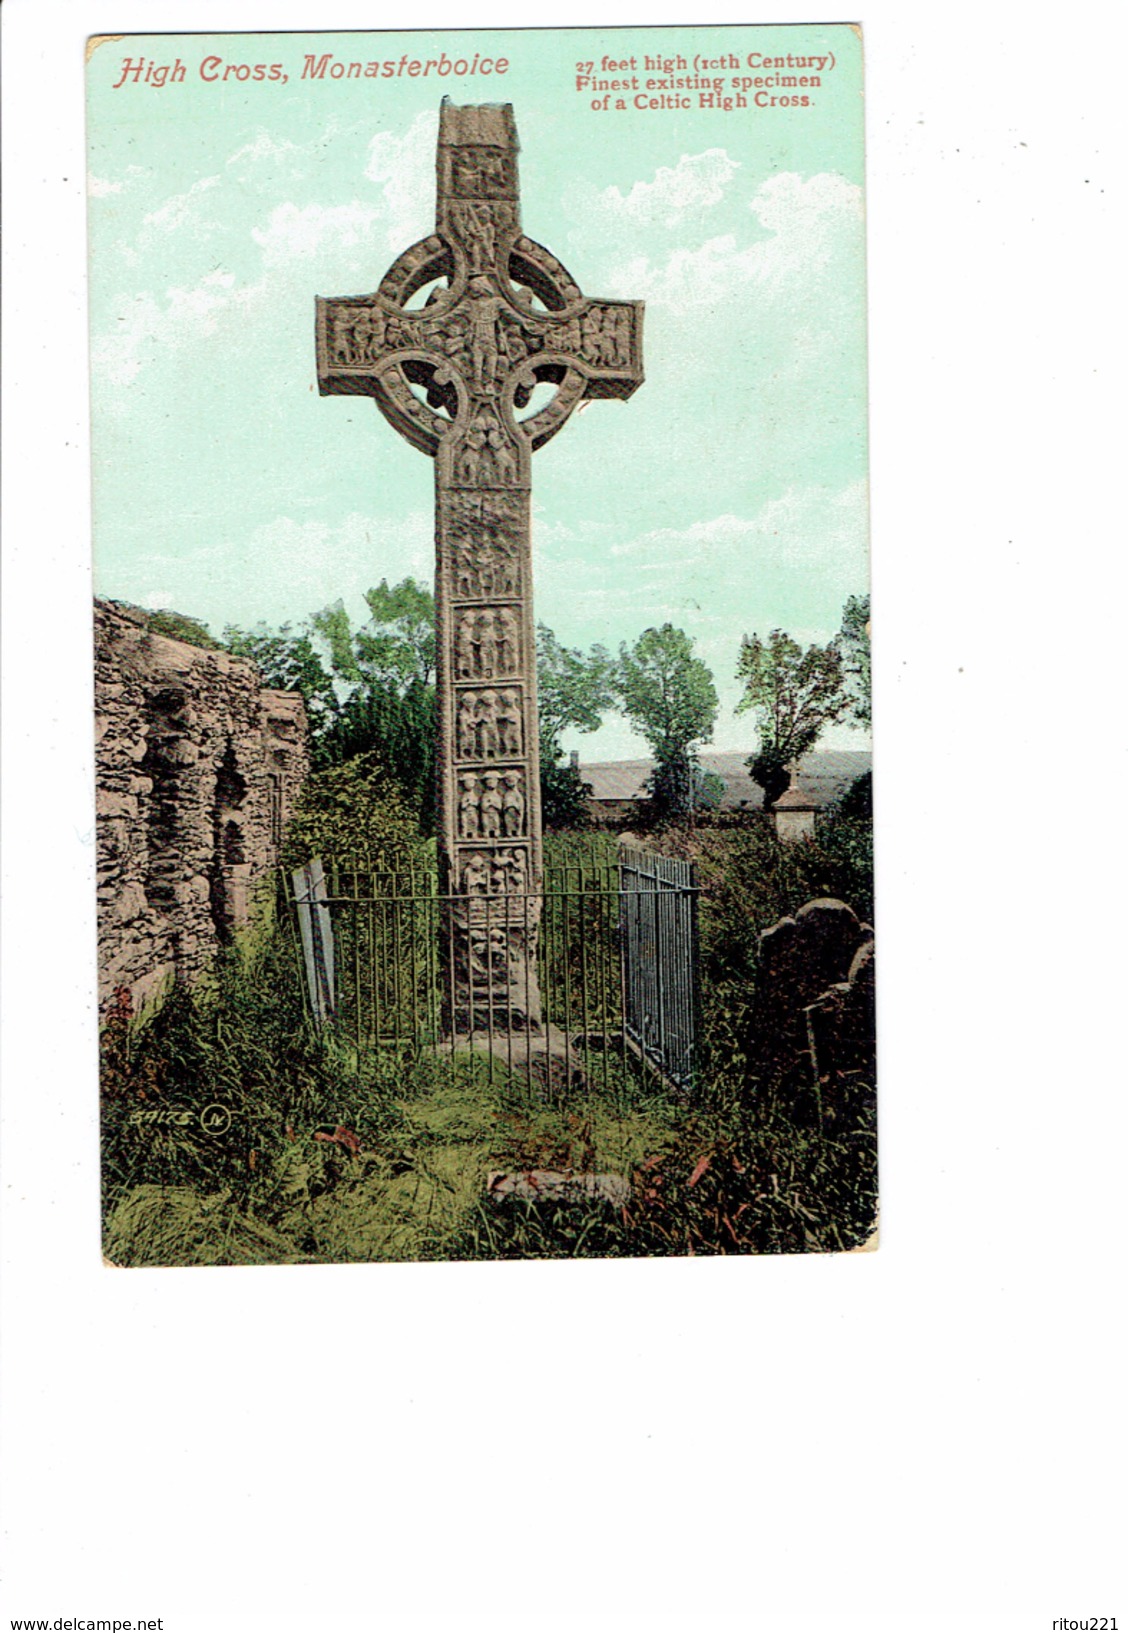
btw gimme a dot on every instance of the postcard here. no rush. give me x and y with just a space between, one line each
482 644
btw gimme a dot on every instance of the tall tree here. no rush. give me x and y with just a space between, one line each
399 642
385 670
573 690
794 693
854 644
668 696
395 647
289 661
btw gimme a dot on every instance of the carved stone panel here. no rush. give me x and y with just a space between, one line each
488 724
484 534
492 805
479 173
487 456
487 643
499 872
478 228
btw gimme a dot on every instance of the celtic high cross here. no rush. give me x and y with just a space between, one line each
451 373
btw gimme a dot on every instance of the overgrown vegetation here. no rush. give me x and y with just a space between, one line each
234 1132
360 816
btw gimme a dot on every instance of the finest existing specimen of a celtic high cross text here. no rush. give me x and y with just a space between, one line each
501 316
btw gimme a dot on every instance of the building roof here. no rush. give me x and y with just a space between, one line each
823 775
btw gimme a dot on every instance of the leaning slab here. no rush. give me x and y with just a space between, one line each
557 1186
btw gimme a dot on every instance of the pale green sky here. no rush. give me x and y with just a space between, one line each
727 495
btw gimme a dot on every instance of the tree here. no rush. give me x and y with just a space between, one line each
795 693
573 690
385 670
395 647
668 696
399 644
290 662
854 644
358 814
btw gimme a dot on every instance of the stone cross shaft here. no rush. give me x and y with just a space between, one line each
451 369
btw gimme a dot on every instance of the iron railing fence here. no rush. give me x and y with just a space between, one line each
604 931
658 922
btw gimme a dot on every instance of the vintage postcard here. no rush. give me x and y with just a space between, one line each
482 644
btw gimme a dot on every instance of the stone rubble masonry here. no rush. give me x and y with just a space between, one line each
197 768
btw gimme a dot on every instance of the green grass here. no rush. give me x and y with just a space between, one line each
276 1186
407 1180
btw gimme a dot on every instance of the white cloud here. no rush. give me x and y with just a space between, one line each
149 326
352 241
806 527
789 565
265 146
178 212
403 167
313 562
104 186
696 182
293 234
219 302
811 224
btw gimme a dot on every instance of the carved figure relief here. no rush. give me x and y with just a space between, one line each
512 805
486 457
508 719
477 226
489 957
468 816
487 644
485 545
482 571
485 338
492 805
477 230
488 725
502 872
481 172
466 726
361 335
606 336
466 651
489 806
476 873
510 874
506 641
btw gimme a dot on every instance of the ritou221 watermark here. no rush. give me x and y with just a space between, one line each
1086 1624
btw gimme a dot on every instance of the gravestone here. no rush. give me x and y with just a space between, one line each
451 374
799 959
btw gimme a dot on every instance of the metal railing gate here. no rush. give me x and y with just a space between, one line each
616 963
658 917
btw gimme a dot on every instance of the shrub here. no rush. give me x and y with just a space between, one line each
359 815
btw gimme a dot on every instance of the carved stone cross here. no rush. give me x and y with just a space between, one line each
451 373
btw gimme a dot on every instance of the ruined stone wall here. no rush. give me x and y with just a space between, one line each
197 769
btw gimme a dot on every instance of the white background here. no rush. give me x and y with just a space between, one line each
929 1437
